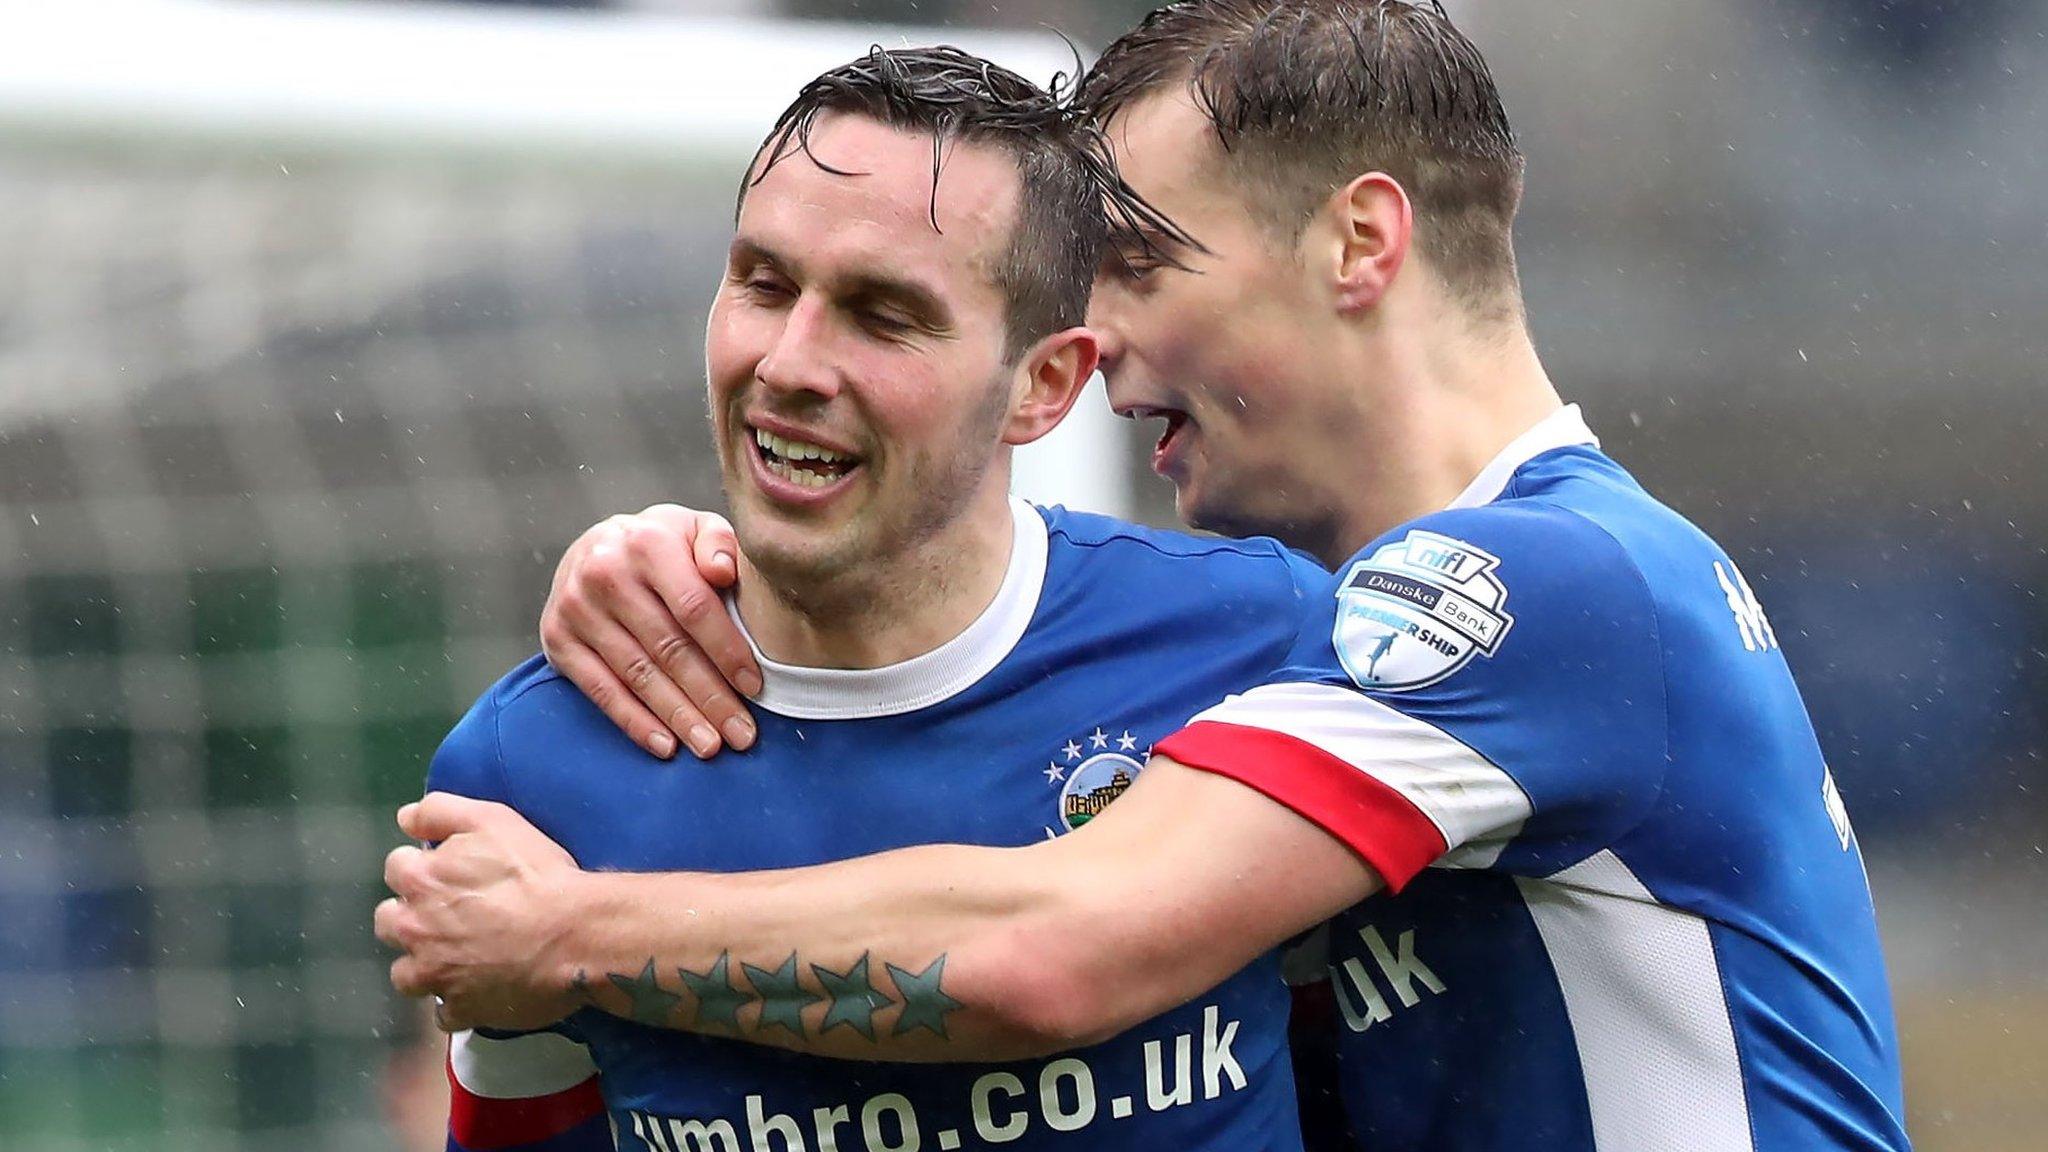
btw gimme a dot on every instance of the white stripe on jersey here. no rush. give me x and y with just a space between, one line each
1476 806
518 1068
1643 989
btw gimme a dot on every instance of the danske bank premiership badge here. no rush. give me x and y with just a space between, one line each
1417 610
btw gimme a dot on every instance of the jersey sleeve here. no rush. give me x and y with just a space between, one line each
524 1092
512 1091
1483 688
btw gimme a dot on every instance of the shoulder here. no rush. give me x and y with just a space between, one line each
529 674
531 693
530 686
530 704
1521 591
1522 549
1220 565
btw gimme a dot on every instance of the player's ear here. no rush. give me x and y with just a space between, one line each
1362 234
1049 379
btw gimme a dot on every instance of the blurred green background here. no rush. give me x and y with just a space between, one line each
303 387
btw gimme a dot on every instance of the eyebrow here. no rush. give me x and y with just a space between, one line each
923 303
1144 239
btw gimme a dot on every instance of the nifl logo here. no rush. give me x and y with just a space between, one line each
1417 610
1447 561
1090 772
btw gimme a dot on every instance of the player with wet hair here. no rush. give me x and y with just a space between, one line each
1535 760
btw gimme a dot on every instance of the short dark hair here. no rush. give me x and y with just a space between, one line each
1307 94
1072 197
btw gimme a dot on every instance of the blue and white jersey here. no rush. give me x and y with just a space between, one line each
1628 913
1103 638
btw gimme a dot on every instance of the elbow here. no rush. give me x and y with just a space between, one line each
1056 996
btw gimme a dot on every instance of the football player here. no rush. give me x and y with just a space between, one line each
901 305
1535 757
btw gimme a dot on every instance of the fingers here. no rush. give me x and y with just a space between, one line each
701 611
402 867
690 688
636 620
386 922
706 693
587 669
408 974
675 584
717 549
574 601
409 978
668 672
450 1018
439 815
630 686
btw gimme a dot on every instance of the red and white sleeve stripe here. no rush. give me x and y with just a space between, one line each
1398 791
518 1091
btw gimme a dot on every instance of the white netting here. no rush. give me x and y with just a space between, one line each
285 456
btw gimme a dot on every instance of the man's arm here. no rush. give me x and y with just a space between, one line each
531 1088
936 953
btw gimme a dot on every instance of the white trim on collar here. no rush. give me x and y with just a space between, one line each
803 693
1563 428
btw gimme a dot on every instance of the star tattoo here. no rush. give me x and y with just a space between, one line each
718 1002
783 1000
652 1003
854 1000
924 1004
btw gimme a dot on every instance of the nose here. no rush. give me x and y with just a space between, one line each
800 358
1109 337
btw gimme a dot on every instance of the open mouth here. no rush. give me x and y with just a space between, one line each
1176 424
801 462
1175 421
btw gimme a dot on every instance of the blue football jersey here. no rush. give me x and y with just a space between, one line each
1628 912
1103 638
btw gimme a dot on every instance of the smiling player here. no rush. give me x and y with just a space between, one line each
1535 749
899 307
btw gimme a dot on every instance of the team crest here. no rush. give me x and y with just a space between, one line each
1418 610
1090 772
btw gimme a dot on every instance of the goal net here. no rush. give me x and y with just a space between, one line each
291 431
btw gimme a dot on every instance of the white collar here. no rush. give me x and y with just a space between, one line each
1563 428
804 693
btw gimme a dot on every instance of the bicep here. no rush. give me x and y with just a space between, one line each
1193 875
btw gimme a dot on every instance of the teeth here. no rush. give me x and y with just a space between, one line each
802 478
797 449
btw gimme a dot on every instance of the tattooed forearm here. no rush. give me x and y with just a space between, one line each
650 1002
782 995
854 1000
718 1002
925 1003
779 998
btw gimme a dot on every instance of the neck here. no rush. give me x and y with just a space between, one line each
889 610
1456 397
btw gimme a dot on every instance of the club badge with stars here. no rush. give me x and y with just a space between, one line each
1090 771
